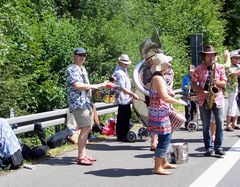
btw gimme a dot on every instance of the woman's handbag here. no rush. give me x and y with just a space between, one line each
177 120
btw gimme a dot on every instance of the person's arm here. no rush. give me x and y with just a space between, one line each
159 84
235 74
222 78
227 58
82 86
220 84
197 88
126 91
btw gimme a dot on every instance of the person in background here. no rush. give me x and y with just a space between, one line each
190 109
233 73
207 75
147 76
79 101
123 97
159 111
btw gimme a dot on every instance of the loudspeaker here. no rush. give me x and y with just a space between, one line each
196 42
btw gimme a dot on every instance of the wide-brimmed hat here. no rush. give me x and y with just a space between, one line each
124 58
160 62
235 54
208 49
79 51
149 55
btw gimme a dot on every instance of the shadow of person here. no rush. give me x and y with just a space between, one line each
106 147
60 161
119 172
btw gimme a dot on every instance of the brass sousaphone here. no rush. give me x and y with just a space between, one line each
140 107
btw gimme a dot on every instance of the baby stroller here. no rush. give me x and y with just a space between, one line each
192 116
141 111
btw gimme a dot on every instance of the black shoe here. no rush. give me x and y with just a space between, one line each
229 129
220 152
208 152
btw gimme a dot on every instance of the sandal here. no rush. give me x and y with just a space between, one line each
84 161
92 159
236 127
229 129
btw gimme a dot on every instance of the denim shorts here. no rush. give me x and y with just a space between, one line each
162 146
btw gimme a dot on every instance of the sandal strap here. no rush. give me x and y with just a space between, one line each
84 161
92 159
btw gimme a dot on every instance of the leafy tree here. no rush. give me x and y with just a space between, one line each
232 15
39 36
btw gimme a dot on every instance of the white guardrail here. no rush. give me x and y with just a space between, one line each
26 123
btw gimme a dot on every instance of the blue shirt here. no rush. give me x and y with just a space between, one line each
186 81
122 80
9 143
77 99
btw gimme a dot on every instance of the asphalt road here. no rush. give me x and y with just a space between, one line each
130 164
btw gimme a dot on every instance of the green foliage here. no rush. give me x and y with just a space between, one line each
38 38
232 15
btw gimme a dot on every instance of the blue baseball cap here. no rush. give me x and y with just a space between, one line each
80 50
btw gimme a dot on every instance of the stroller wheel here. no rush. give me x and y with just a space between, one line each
131 136
192 126
143 132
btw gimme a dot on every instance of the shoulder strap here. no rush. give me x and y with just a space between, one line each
157 73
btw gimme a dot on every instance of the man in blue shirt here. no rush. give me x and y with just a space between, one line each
123 97
80 101
190 108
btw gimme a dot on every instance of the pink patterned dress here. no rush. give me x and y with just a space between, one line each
158 114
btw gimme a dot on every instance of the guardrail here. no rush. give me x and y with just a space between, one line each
26 123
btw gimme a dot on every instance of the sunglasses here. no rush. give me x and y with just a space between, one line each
82 55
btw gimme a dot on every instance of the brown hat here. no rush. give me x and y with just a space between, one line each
208 49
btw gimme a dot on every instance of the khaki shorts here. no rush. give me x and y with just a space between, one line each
83 117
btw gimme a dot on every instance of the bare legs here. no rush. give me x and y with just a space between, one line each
161 164
82 141
154 141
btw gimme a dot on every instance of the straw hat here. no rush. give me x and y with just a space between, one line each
161 62
124 58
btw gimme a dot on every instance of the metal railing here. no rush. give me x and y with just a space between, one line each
26 123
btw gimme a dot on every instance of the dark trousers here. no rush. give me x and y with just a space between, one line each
190 111
123 121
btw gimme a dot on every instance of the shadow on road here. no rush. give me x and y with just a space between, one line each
60 161
120 147
119 172
186 140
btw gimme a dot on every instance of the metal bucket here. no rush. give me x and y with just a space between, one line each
180 151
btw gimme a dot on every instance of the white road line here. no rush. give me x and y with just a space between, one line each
213 175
